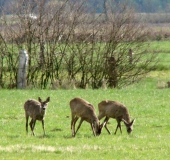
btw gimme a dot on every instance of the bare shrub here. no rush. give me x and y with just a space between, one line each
67 40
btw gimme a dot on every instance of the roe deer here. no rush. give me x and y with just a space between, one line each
36 110
83 109
116 110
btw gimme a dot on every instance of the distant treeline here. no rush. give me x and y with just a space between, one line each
144 6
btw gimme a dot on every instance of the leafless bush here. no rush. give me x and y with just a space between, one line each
65 40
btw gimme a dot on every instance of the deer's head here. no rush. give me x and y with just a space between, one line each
129 126
44 104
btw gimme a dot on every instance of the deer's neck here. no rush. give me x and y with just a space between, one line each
126 117
42 112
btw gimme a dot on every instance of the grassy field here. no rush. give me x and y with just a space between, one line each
145 100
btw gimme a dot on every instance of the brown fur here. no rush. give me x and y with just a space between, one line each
83 109
116 110
36 110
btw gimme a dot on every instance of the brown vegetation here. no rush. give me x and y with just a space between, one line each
67 42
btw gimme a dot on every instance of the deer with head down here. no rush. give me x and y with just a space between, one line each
36 110
80 108
113 109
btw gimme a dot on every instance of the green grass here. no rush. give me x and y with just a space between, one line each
145 102
160 46
162 51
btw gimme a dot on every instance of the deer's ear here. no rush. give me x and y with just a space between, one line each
102 125
39 99
48 99
132 121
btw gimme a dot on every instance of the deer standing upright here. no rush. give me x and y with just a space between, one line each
36 110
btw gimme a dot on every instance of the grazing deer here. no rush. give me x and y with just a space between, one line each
36 110
116 110
83 109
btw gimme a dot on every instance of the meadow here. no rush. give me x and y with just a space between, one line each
147 101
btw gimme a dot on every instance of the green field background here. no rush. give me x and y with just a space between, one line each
147 101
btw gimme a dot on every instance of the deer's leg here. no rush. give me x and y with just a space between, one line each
79 126
32 125
118 126
92 127
26 126
105 122
73 122
43 126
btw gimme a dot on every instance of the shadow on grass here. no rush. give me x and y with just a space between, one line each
45 136
58 152
157 126
68 137
56 130
13 136
78 136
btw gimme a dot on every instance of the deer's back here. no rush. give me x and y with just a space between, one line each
113 109
32 107
82 108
